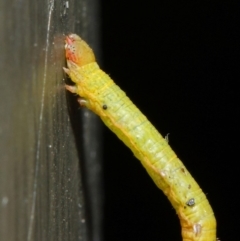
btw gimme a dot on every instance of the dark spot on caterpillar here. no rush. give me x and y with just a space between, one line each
189 186
183 170
104 107
190 202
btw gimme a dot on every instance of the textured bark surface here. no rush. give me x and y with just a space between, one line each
41 188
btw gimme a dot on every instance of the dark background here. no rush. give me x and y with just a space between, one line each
179 63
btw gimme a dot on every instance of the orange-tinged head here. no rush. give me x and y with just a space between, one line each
78 51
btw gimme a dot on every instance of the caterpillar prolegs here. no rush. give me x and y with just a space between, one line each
100 94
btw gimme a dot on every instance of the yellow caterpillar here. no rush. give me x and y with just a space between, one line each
100 94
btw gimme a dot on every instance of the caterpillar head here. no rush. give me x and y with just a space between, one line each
78 51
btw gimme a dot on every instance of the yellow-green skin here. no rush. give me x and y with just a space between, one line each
101 95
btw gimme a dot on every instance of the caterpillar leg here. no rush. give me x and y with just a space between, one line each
73 72
67 71
71 88
83 102
71 65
